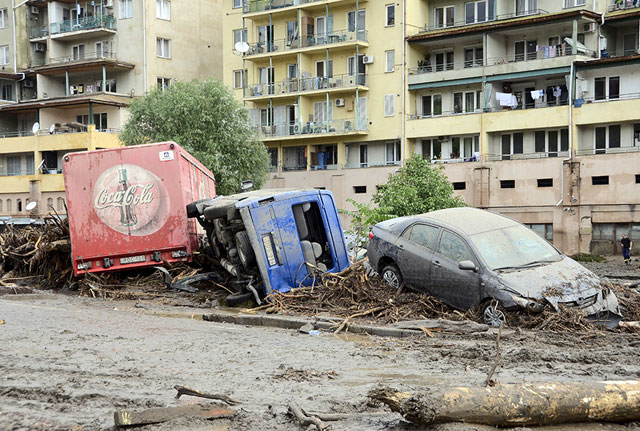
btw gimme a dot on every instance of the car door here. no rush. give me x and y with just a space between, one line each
459 288
415 249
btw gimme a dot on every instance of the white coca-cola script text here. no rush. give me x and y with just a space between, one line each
120 198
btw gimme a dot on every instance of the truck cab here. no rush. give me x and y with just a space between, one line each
274 240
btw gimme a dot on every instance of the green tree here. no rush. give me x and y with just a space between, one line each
362 218
417 188
206 120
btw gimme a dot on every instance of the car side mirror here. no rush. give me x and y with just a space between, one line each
246 185
467 265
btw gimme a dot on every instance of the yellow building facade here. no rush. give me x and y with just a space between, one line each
532 107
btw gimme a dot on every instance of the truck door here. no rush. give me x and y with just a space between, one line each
334 232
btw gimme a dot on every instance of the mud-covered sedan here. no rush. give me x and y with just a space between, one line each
469 257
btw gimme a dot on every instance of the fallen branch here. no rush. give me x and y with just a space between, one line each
490 381
346 321
158 415
298 413
183 390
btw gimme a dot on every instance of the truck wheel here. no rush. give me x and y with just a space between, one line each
239 298
245 251
391 274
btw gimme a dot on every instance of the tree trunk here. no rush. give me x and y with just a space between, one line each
526 404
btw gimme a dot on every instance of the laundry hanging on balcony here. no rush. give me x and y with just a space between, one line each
507 99
537 94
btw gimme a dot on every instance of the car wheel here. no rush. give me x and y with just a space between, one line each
391 275
239 298
245 251
493 314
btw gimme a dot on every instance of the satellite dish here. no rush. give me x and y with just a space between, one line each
52 129
35 127
242 47
31 206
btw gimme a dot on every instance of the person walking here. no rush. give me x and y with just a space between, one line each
626 249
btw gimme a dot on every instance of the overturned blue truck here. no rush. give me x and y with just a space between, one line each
273 240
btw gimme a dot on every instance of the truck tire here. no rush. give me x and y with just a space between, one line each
239 298
245 251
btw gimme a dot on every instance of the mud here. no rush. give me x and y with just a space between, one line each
68 362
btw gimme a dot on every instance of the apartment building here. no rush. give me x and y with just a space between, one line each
70 70
532 107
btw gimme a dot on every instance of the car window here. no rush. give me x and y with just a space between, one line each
453 247
407 233
424 235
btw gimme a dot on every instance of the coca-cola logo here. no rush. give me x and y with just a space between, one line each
131 200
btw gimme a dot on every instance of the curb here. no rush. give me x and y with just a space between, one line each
294 322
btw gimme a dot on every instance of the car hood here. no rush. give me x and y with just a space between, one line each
562 281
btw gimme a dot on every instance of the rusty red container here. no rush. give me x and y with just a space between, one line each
127 206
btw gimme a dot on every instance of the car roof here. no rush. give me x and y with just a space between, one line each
468 220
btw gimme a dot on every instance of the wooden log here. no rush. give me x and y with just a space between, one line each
158 415
183 390
519 404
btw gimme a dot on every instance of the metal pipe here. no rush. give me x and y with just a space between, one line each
144 46
403 101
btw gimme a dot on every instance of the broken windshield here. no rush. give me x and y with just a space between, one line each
513 247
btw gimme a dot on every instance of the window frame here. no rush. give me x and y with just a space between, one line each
388 7
4 16
5 55
604 82
126 9
390 103
163 83
162 7
165 45
387 54
396 152
243 81
236 4
444 11
470 254
607 138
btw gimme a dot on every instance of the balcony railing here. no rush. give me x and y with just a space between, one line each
264 5
616 150
540 105
610 98
519 156
302 85
310 128
289 44
623 4
544 53
376 164
86 23
442 114
87 56
456 24
17 172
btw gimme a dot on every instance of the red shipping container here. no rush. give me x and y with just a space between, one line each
127 206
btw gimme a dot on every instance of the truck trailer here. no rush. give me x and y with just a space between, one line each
127 206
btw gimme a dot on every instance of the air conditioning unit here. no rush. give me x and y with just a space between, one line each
28 83
367 59
35 10
590 27
340 103
108 3
40 47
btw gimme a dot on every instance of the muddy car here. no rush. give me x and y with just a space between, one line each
473 258
273 240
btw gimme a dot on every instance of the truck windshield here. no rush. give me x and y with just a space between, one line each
513 247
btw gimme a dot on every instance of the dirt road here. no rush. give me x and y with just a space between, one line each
66 363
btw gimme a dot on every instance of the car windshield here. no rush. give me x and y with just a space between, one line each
513 247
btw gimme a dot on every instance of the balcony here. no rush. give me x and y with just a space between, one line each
522 156
311 85
617 5
616 150
308 43
284 131
488 19
70 59
597 110
70 28
274 6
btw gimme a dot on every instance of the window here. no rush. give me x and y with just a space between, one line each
7 91
103 49
60 204
507 184
454 247
239 78
4 55
460 185
239 35
390 60
30 159
526 7
600 88
614 87
14 165
444 60
637 181
389 105
431 105
444 16
574 3
464 102
473 57
100 120
479 11
602 180
78 52
364 161
19 205
393 153
163 9
360 18
604 140
164 83
126 9
510 147
49 203
292 33
163 48
391 15
545 182
525 50
422 234
3 18
630 44
237 4
9 205
359 189
544 230
273 159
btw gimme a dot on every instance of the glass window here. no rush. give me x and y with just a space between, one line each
163 9
600 88
163 47
393 153
614 87
437 104
389 105
3 18
453 247
239 78
239 35
426 106
601 139
273 158
13 165
564 140
444 16
540 145
469 99
237 4
390 60
4 55
126 9
518 144
553 143
424 235
391 14
457 103
614 136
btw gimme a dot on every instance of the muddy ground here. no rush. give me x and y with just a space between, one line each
68 362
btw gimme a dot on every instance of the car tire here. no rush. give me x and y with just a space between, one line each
245 251
391 275
236 299
494 314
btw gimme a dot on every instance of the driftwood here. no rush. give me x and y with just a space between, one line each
158 415
519 405
444 325
301 416
183 390
490 381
